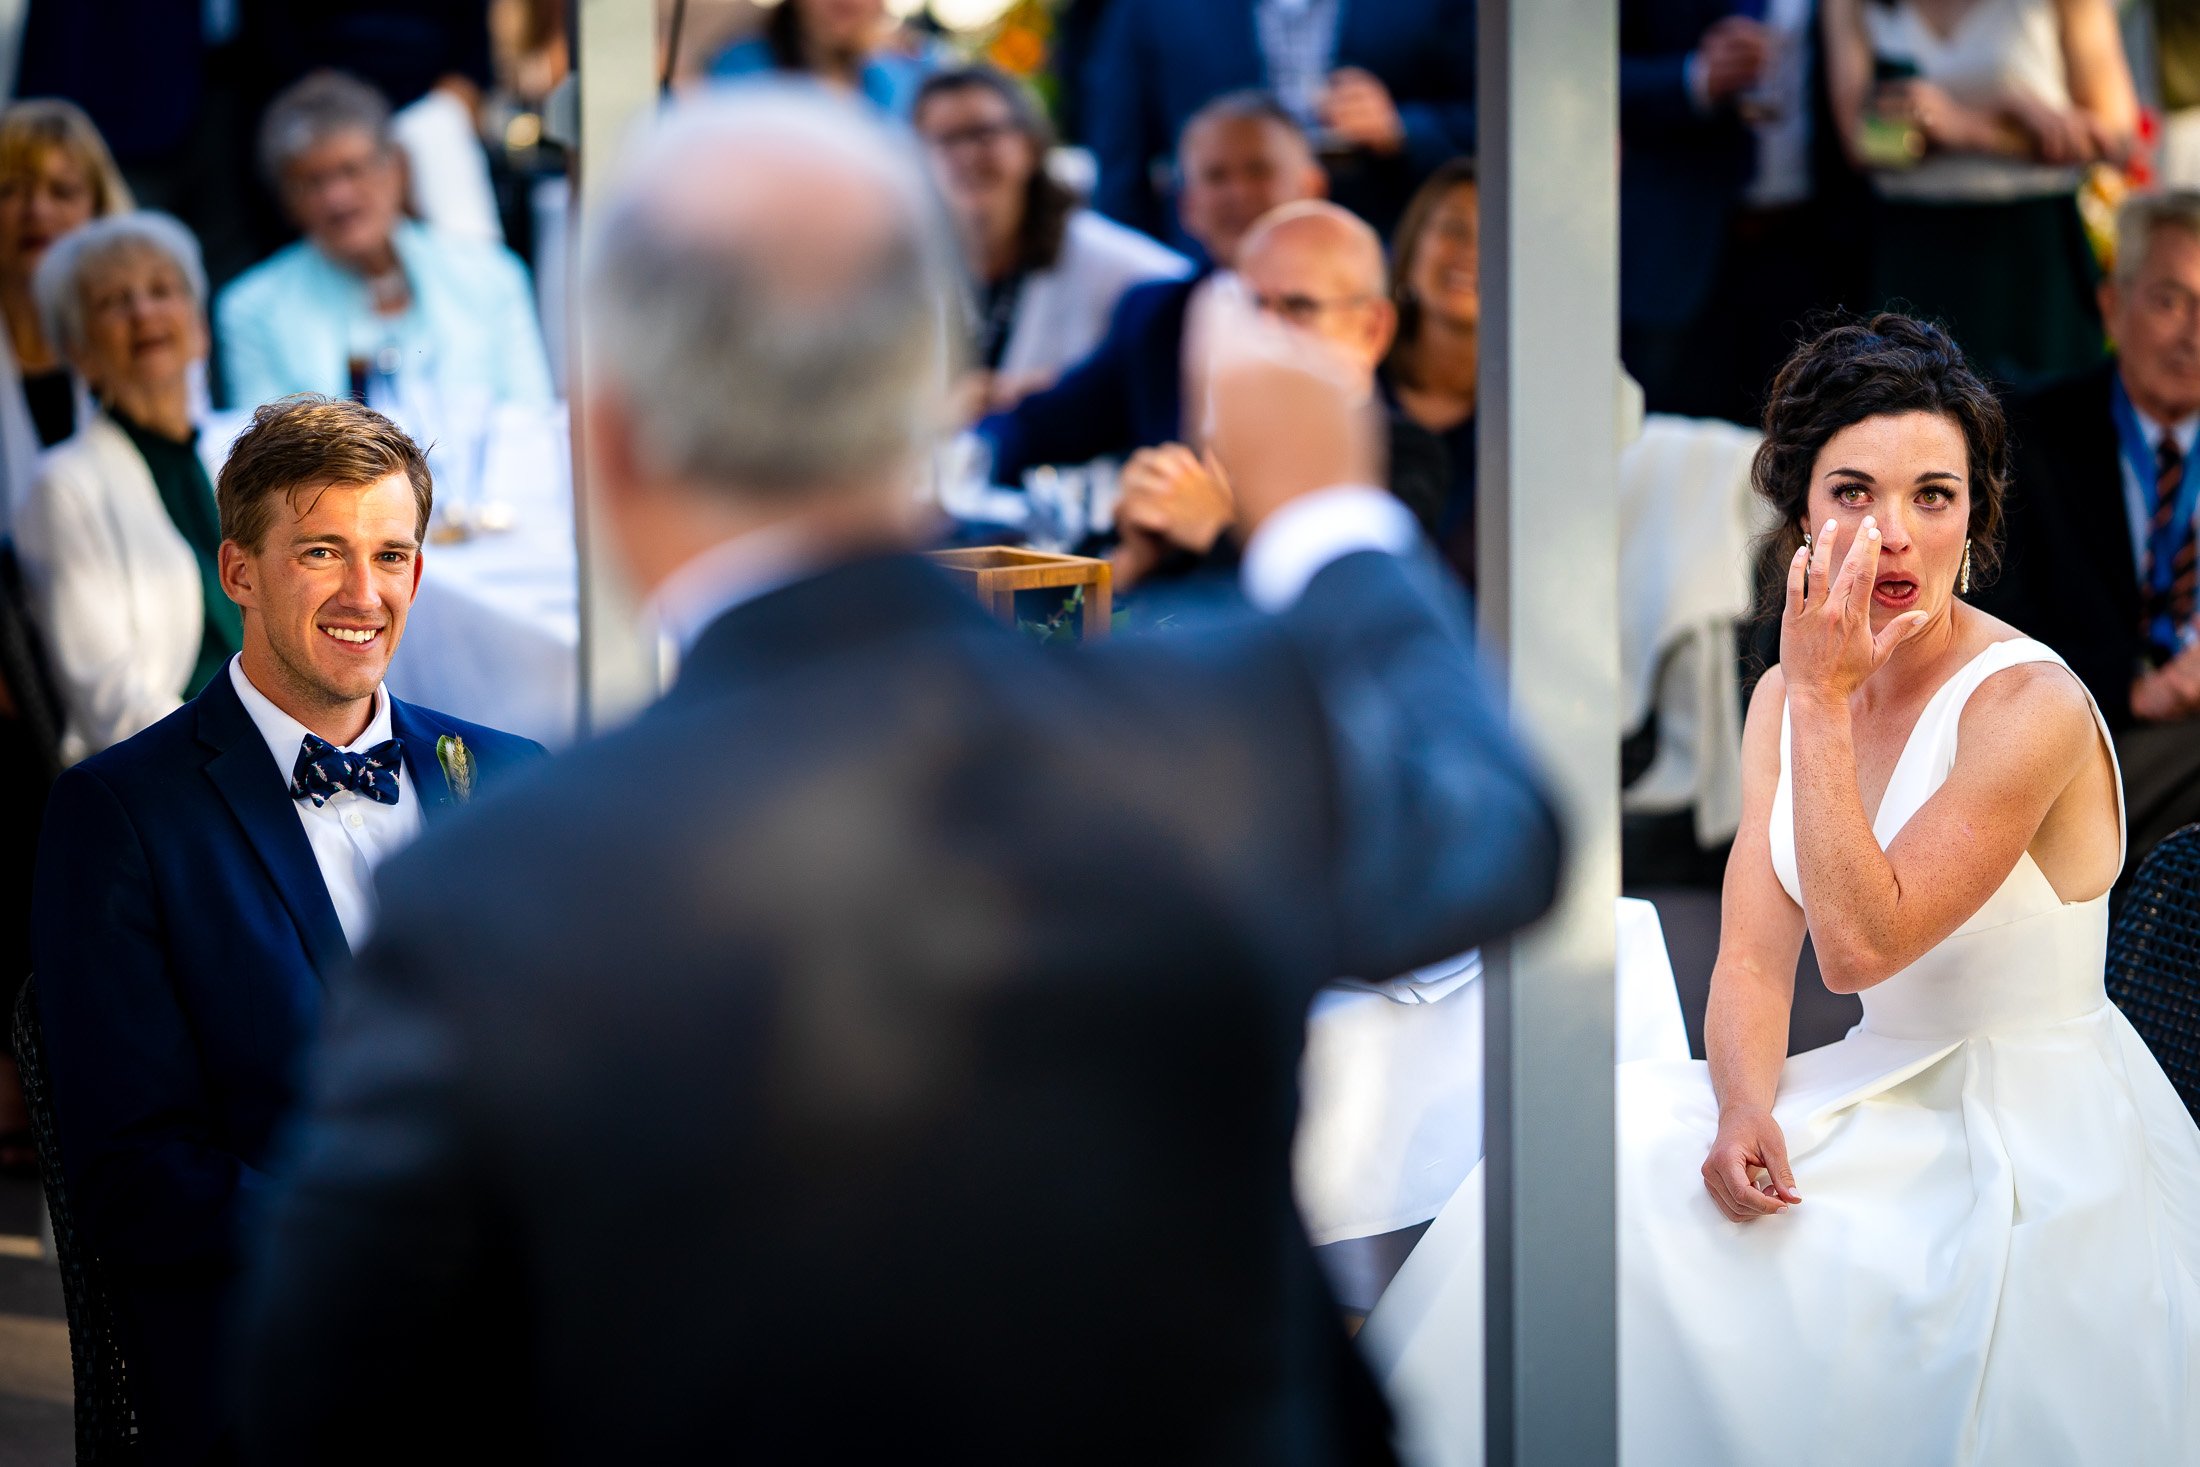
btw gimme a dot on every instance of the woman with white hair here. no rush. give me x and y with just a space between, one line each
120 537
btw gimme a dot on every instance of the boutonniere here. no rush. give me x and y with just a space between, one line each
458 766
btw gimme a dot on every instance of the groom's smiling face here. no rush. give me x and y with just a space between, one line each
328 589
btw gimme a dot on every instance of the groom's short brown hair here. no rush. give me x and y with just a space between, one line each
310 442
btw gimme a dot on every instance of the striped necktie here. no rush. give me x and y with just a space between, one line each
2166 610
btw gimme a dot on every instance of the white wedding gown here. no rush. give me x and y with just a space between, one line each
1997 1256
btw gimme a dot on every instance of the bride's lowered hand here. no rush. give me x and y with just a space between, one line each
1827 646
1749 1145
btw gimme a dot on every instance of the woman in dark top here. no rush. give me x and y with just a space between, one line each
55 175
1429 376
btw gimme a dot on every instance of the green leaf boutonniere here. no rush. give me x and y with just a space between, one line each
458 766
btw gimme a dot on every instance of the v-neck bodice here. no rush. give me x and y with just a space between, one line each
2025 956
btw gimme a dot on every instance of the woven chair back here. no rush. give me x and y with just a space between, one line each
2154 959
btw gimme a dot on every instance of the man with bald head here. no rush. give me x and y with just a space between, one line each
884 1049
1239 157
1319 270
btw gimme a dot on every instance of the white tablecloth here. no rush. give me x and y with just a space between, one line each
494 635
1390 1117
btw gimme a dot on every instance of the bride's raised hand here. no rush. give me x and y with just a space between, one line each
1749 1145
1827 647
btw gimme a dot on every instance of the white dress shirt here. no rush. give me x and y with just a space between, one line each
351 834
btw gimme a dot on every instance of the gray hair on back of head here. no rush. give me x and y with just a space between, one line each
316 107
2140 215
58 286
738 372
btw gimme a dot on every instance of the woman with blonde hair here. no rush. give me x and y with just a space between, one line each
55 176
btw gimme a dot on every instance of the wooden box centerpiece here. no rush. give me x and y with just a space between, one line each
995 573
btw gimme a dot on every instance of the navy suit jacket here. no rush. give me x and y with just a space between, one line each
181 940
927 1004
1128 394
1156 62
1681 171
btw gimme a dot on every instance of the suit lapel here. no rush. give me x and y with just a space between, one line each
418 733
255 794
2107 528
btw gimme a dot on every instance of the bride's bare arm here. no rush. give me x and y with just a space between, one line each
1752 984
2025 735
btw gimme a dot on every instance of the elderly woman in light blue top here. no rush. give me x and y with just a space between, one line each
368 291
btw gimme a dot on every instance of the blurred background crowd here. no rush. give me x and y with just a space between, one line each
205 204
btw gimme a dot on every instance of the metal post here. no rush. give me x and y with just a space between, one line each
615 69
1549 608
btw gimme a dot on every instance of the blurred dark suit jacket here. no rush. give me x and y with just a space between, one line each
884 1049
2068 577
1681 171
1128 394
1156 62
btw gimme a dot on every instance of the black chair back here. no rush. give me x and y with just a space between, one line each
106 1421
2154 959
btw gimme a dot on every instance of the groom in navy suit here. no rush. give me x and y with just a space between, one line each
201 884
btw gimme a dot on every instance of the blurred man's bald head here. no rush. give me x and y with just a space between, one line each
1321 268
767 292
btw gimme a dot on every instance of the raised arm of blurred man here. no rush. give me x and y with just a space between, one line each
927 1003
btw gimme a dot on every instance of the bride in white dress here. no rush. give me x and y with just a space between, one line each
1969 1232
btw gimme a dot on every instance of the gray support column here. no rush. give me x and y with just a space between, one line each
614 58
1549 611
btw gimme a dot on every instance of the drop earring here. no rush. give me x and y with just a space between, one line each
1963 576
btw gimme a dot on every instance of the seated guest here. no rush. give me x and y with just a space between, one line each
1047 273
1240 156
119 536
1320 269
366 286
2100 542
1431 374
842 43
201 884
55 174
1386 90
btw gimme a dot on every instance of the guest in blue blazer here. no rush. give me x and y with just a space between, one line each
200 884
1241 156
1386 89
1739 216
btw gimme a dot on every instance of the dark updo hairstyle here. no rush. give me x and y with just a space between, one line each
1869 369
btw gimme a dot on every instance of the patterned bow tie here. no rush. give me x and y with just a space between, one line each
323 769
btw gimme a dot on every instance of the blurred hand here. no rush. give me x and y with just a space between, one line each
1735 52
1135 555
969 398
1285 418
1010 388
1357 108
1749 1143
1179 498
2171 692
2058 134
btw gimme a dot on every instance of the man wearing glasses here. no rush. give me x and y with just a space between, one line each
1320 269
